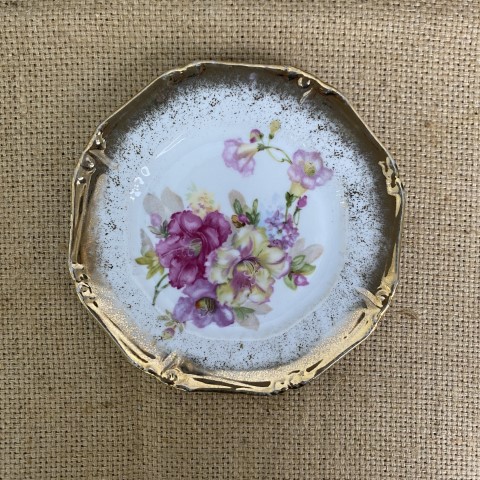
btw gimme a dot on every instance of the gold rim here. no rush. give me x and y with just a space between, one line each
179 371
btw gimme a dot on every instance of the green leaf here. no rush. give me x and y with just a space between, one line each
163 230
155 230
236 195
167 335
166 316
246 317
237 206
307 269
243 312
255 206
250 217
297 262
150 274
288 280
153 270
289 198
143 260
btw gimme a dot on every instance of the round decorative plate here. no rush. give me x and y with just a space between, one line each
236 227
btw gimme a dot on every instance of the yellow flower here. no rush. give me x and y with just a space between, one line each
297 189
246 269
201 202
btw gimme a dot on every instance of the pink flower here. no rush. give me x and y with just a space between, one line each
190 240
239 155
255 135
300 280
200 306
307 169
302 202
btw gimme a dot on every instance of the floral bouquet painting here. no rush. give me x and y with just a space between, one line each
226 264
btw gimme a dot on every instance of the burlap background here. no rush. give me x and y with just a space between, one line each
404 405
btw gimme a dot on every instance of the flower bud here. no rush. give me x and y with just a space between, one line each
274 127
255 135
302 202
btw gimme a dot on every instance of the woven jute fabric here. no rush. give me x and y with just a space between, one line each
404 405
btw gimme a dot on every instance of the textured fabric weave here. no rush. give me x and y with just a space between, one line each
405 405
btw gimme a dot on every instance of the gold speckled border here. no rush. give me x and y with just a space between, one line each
179 371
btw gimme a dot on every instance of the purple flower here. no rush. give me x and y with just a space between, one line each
281 233
239 155
300 280
302 202
308 170
201 306
190 240
255 135
155 220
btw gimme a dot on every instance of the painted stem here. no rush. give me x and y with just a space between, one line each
158 288
296 215
287 157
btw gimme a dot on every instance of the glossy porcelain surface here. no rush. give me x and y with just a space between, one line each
236 227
